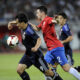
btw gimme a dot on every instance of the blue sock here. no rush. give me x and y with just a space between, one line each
25 76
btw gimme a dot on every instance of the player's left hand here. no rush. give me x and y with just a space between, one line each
34 49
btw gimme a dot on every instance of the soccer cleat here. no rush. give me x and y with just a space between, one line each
77 68
57 78
48 78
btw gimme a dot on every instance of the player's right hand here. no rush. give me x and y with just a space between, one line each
10 26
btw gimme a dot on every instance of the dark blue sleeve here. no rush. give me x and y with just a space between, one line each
32 33
66 30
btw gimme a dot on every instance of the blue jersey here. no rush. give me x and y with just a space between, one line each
29 37
64 34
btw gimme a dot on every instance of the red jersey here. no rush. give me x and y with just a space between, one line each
49 33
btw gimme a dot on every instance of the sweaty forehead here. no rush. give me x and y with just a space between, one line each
38 10
60 16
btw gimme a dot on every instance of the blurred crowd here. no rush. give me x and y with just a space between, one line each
9 8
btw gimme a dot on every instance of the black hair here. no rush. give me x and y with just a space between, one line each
22 17
63 15
43 9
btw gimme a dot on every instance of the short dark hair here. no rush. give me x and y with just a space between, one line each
43 9
22 17
63 15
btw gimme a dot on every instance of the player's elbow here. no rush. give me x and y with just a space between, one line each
37 29
9 27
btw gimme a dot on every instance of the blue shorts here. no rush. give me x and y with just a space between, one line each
56 55
34 58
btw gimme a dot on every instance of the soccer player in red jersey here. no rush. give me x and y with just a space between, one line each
55 48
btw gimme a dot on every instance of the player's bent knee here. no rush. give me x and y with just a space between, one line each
66 67
19 71
21 68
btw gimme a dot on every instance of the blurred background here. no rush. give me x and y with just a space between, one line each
8 10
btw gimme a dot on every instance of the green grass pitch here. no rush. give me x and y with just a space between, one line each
9 62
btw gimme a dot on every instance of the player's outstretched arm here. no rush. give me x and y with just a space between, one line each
10 24
38 43
35 27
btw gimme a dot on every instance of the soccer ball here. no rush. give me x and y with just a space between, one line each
12 40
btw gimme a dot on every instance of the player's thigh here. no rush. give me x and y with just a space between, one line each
69 52
24 63
60 57
49 58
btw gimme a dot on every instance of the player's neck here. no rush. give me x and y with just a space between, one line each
43 17
25 26
63 24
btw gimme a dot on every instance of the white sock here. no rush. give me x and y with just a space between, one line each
75 73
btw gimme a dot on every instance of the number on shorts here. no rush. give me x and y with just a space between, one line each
59 60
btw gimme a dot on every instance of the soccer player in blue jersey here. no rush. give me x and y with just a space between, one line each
33 54
66 36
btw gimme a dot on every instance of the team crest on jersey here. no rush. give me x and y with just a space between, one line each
23 36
